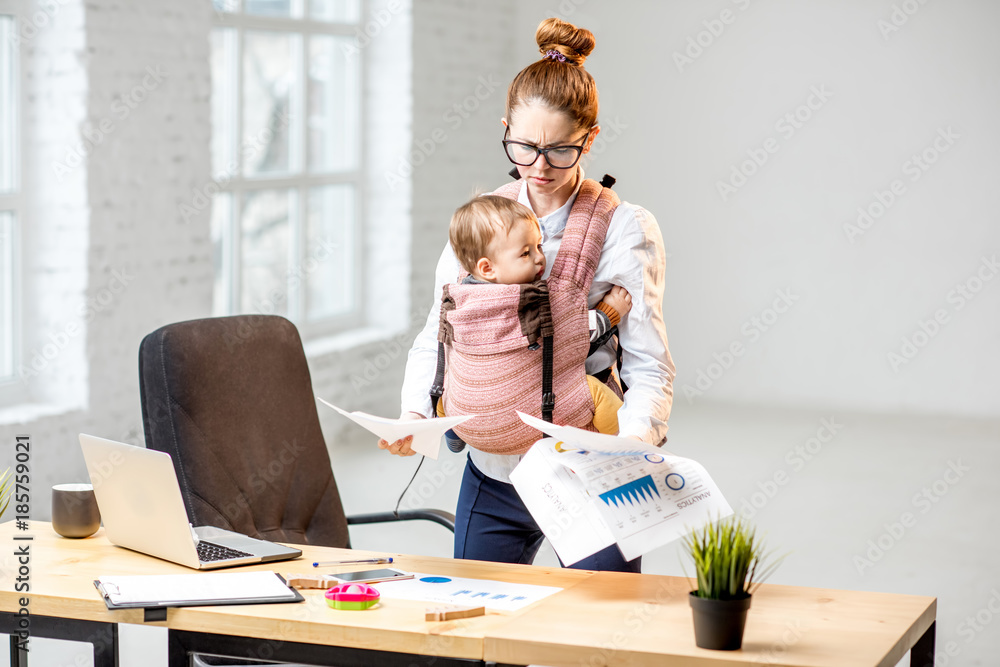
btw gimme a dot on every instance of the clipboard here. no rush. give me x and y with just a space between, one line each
156 593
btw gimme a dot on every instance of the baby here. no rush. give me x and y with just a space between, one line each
498 240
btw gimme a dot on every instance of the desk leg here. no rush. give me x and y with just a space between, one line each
922 653
18 656
177 652
105 658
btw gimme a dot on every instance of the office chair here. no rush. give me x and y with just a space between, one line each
231 400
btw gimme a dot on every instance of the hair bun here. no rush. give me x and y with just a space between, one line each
572 42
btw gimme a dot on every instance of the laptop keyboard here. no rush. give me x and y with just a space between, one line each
208 552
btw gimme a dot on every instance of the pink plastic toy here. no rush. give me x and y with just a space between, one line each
352 596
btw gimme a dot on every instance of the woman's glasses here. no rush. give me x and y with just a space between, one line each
558 157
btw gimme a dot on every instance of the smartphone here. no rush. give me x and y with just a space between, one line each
371 576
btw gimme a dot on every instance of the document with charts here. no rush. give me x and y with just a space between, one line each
588 491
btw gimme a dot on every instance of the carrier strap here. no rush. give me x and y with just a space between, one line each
445 335
544 327
437 389
548 398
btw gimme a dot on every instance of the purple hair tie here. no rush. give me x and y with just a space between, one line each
555 55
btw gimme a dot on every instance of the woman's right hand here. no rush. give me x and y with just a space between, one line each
401 447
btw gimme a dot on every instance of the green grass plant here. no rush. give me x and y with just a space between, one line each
729 559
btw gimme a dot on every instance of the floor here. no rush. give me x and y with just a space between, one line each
838 511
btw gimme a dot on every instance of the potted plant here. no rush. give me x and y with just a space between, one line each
730 564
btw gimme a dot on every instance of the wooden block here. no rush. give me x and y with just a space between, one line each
452 613
310 581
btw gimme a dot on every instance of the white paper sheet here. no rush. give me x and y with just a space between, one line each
590 440
559 503
642 496
427 433
495 595
647 500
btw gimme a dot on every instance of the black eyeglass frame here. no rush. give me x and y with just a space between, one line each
543 151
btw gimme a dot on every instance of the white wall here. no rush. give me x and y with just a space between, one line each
683 128
461 57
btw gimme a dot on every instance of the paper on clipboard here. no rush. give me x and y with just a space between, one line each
426 433
185 589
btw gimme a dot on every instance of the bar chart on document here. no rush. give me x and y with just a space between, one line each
637 494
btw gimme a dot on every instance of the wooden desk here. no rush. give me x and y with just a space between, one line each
642 620
600 619
63 570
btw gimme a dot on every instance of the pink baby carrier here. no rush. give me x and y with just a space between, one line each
523 347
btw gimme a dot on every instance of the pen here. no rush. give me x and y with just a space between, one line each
373 561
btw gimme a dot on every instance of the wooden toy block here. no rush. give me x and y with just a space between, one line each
310 581
452 613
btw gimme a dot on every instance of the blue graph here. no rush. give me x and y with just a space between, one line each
634 492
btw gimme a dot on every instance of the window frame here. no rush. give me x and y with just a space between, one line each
299 179
13 201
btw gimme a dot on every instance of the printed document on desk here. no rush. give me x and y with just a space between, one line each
494 595
427 433
612 490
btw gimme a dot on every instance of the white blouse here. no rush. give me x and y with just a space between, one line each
632 258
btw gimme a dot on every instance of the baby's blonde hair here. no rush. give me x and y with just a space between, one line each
476 223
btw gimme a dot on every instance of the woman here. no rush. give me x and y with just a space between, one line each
550 123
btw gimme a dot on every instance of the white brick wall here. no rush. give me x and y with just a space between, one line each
106 255
367 377
110 252
54 224
116 221
457 46
441 159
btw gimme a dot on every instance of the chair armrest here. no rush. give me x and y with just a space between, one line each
446 519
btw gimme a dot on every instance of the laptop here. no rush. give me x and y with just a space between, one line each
142 509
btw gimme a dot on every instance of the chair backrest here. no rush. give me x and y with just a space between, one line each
231 400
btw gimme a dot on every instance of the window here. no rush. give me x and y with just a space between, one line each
10 200
286 157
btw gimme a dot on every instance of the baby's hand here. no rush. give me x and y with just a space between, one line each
619 299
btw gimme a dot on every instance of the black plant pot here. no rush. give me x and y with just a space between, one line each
718 624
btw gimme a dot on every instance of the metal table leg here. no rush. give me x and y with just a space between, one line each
922 653
18 656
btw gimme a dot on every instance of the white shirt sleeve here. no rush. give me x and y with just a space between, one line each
421 363
638 262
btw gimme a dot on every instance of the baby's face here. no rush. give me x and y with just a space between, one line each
518 257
